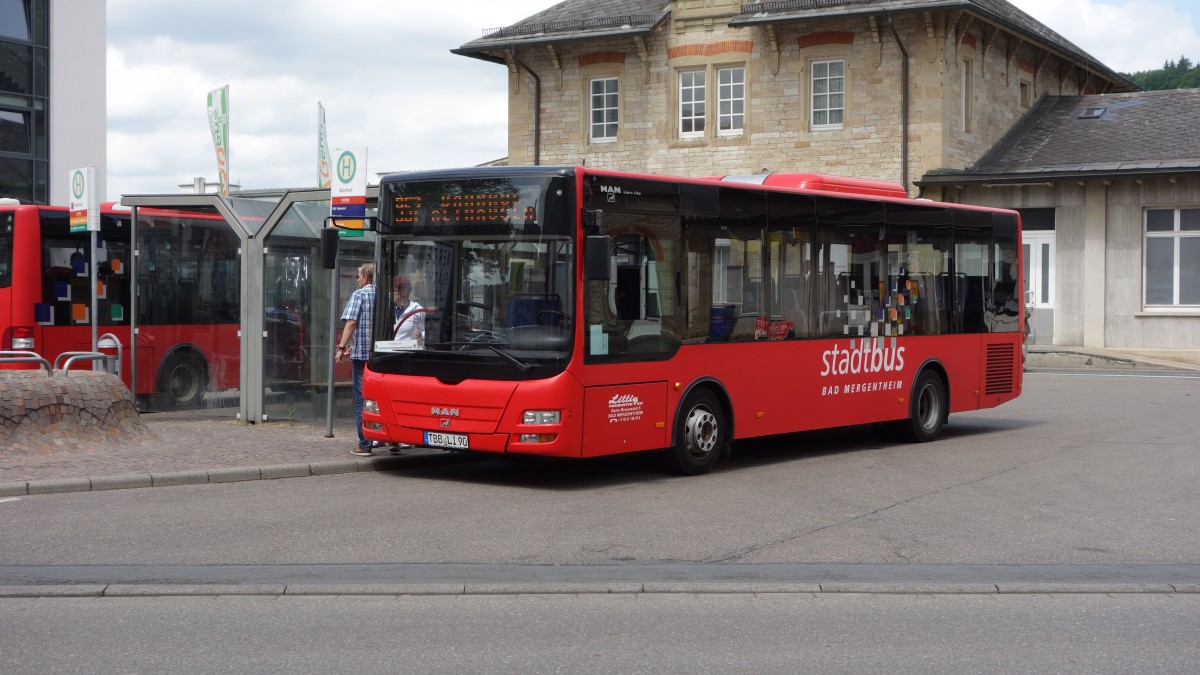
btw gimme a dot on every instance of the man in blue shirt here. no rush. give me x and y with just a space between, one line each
355 343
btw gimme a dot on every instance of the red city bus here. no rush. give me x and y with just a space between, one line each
189 294
574 312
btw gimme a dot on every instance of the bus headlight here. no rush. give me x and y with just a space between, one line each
541 417
370 406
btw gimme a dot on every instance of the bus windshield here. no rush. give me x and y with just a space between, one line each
478 271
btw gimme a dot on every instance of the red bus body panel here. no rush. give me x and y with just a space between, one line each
218 342
619 408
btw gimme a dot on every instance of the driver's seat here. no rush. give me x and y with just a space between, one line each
532 309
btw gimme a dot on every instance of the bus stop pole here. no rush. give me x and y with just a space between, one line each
333 319
93 276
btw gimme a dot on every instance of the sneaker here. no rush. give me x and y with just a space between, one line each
360 452
404 445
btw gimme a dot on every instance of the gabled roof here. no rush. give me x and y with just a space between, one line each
999 12
1109 135
570 21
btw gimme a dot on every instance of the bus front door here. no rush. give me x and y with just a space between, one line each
625 418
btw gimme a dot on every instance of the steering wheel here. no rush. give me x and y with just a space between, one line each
557 318
400 324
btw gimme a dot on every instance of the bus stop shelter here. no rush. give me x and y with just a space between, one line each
231 309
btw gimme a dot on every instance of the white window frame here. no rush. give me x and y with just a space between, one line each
731 95
688 89
824 89
599 103
1177 236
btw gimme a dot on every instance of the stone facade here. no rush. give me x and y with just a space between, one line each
947 56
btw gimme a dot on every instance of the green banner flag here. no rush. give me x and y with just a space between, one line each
218 124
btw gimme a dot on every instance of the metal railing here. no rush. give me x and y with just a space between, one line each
21 356
65 360
573 25
788 5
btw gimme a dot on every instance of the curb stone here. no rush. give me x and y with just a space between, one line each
582 588
197 477
14 489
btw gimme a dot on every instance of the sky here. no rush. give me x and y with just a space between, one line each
385 75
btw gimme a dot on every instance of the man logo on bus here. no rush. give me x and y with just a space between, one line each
347 166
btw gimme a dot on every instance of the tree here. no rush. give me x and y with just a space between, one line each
1181 74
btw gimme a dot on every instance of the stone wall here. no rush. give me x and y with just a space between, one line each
42 414
778 136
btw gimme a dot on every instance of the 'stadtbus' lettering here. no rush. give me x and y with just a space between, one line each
866 358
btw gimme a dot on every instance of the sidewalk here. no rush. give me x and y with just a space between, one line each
185 448
203 447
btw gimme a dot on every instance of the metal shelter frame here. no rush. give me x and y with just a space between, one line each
252 250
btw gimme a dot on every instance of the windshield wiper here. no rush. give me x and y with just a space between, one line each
521 365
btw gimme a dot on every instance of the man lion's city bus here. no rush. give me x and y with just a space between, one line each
573 312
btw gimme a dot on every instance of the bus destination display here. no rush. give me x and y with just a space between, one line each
468 208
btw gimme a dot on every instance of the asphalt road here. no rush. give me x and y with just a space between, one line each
1084 480
774 633
1081 469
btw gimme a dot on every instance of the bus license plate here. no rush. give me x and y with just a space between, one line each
436 439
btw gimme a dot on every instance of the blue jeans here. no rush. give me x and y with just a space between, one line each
358 366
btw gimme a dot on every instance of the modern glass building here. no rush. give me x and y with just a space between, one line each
52 96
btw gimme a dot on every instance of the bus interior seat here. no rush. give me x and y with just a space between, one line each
532 309
793 310
973 305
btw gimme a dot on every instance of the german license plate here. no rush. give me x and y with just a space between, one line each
436 439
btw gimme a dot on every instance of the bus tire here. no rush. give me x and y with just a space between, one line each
928 409
700 434
183 381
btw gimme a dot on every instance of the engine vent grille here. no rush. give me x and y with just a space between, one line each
1000 372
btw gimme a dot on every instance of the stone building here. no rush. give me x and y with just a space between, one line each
911 91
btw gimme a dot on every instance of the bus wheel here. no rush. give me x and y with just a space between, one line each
699 435
928 409
183 380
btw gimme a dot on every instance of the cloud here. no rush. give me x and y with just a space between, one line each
383 71
387 79
1127 36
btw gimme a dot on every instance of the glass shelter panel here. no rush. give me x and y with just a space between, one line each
188 309
297 322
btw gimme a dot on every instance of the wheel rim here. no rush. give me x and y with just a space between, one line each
929 407
700 432
184 382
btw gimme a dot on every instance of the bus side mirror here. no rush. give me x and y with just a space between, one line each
593 221
595 258
329 247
